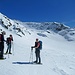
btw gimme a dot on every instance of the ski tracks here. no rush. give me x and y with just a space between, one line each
59 62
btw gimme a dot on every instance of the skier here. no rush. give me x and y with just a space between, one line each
2 44
37 51
8 42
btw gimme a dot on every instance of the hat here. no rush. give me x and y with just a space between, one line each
3 32
10 35
36 38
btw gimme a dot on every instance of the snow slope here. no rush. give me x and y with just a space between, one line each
57 55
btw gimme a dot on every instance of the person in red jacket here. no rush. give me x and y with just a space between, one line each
8 42
37 51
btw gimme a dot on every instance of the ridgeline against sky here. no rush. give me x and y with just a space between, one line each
62 11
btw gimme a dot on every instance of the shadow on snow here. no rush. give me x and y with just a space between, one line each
22 63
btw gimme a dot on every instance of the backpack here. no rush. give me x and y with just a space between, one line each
40 47
8 40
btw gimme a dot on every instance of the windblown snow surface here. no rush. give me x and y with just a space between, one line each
57 55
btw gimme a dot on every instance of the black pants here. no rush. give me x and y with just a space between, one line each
1 50
37 53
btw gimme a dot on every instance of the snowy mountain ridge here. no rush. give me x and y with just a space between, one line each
67 32
21 28
12 25
57 54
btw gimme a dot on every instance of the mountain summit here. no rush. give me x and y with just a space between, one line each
20 28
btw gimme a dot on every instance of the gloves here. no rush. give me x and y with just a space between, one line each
32 47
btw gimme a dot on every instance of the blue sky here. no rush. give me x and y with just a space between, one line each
62 11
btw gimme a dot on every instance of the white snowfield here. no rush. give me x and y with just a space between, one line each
57 56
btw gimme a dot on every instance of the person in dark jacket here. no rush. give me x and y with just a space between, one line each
37 52
2 44
8 42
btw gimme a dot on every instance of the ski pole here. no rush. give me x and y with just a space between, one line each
31 55
8 55
12 48
7 50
